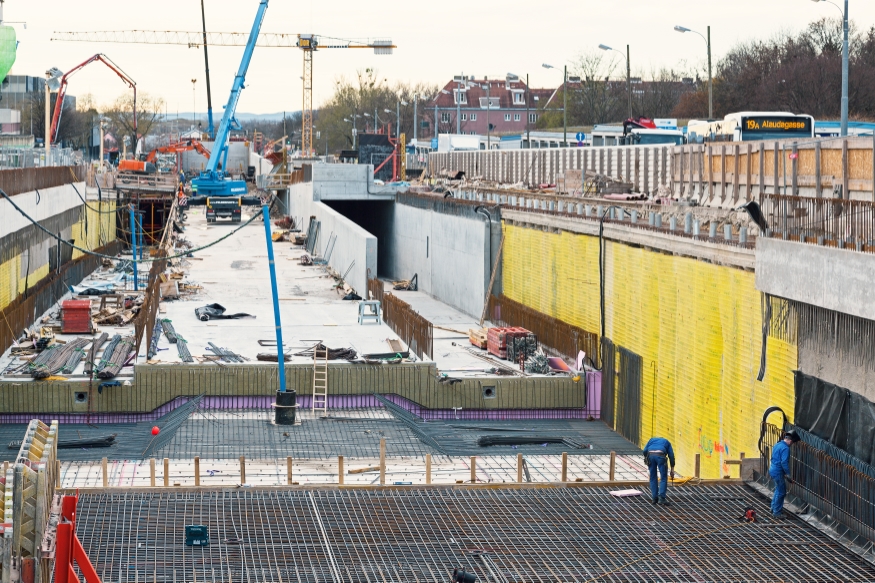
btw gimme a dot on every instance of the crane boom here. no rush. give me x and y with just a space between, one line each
62 92
211 181
196 39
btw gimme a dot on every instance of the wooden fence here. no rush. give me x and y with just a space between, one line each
29 179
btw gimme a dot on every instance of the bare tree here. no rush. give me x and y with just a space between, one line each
121 116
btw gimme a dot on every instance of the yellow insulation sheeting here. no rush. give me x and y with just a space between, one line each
697 327
101 230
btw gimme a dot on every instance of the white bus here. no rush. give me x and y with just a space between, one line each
748 126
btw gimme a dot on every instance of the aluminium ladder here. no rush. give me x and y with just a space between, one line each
320 380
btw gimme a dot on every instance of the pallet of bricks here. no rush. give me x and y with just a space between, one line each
511 343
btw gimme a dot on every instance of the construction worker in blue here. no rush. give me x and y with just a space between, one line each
656 452
779 470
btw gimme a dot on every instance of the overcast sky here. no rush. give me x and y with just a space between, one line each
435 40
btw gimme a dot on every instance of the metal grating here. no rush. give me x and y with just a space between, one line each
568 534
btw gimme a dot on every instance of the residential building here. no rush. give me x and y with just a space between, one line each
503 104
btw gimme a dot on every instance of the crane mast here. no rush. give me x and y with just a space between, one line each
211 181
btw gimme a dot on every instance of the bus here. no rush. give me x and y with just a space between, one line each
750 126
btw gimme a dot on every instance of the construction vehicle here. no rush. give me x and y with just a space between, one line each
147 165
213 188
308 43
61 87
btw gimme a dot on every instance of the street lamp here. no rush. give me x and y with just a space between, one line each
53 82
354 131
707 40
193 102
397 113
628 72
564 101
844 64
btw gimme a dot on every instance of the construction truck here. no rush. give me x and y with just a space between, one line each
213 188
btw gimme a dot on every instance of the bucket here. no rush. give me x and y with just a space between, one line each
286 405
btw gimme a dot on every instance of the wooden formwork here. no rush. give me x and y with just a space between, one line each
28 488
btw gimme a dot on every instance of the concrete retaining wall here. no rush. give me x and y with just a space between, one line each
348 182
835 279
156 386
354 246
450 254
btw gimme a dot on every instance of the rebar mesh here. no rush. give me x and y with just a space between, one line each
569 534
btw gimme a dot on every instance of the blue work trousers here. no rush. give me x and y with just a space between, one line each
780 492
658 462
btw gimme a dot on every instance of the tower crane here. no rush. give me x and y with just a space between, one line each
308 43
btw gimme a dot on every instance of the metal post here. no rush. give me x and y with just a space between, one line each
48 132
397 120
435 118
845 73
710 81
565 110
415 116
276 305
629 80
134 245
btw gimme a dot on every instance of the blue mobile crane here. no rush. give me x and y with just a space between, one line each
214 188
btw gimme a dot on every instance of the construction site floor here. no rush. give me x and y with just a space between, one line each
580 534
229 434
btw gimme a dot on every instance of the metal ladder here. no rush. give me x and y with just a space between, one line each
320 380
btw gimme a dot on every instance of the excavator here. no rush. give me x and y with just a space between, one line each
147 164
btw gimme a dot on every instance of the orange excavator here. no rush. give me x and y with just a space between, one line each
147 165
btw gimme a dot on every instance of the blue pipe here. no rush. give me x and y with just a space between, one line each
276 302
134 245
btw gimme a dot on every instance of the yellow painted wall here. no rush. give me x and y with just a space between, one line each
696 325
101 230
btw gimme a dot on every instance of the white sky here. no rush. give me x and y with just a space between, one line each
435 40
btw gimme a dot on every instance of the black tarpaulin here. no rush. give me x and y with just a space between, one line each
835 414
217 312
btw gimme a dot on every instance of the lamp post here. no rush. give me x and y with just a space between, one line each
397 113
628 72
415 118
53 82
354 131
844 12
193 102
707 40
564 101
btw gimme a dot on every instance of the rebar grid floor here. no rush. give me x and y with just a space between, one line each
229 434
563 534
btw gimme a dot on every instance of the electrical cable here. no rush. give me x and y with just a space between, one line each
103 256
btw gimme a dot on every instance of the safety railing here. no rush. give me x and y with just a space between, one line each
830 485
414 330
282 181
831 222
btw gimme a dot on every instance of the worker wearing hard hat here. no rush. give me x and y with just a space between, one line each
657 452
779 470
